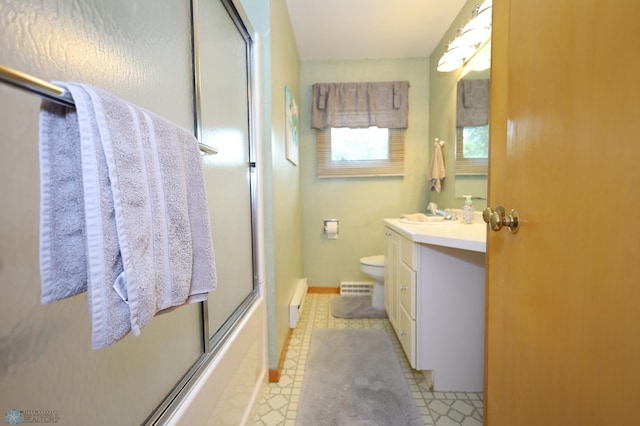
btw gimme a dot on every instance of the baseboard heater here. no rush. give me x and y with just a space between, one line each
297 302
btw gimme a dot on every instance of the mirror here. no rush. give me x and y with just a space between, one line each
472 134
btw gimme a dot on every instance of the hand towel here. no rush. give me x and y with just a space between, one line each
437 167
415 217
149 243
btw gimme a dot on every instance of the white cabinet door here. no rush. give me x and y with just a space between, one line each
407 290
391 264
450 317
407 336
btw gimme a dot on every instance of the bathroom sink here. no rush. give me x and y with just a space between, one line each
430 220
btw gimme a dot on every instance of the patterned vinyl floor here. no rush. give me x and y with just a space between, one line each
280 402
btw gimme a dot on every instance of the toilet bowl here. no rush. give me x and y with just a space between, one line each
373 266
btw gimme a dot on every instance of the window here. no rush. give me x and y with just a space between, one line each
472 150
359 144
475 142
360 128
348 152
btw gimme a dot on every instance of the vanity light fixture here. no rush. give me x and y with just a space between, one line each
471 37
481 60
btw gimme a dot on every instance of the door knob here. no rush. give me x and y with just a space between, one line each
498 218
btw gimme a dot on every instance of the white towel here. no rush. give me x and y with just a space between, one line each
437 167
415 217
63 257
147 224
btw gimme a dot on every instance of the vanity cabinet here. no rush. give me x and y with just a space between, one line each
434 297
400 290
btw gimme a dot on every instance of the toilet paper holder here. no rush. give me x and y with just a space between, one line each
330 228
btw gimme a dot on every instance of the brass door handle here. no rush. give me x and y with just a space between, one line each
497 219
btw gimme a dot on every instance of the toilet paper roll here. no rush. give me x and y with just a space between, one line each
331 229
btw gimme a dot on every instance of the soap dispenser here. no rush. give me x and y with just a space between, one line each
467 210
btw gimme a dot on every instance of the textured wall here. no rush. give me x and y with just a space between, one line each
360 204
140 51
285 201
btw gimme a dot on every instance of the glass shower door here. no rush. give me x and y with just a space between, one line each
225 49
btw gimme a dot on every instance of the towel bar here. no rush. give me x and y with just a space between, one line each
52 92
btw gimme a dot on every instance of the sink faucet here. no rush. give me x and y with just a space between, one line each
433 209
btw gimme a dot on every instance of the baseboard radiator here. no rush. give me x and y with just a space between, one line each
350 288
297 302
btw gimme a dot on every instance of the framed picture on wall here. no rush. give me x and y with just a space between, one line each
291 127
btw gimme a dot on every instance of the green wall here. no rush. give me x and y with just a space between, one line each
360 204
296 201
442 120
283 204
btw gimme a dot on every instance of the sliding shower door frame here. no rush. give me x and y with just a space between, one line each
214 340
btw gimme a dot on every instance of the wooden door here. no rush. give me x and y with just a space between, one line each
563 294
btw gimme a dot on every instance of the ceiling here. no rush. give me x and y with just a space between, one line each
370 29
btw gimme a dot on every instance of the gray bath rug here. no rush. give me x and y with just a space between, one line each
355 307
353 377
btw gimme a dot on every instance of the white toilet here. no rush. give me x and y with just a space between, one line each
373 266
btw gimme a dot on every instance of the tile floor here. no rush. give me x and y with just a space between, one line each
280 402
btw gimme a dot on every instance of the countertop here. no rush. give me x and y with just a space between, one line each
472 237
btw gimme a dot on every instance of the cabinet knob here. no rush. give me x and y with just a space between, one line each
403 333
404 288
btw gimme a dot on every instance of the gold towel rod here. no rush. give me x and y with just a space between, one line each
52 92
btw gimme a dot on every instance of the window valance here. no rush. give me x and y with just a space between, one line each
472 103
360 105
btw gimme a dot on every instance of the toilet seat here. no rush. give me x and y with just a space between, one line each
373 260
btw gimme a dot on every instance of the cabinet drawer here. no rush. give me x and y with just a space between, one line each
407 336
407 289
406 252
